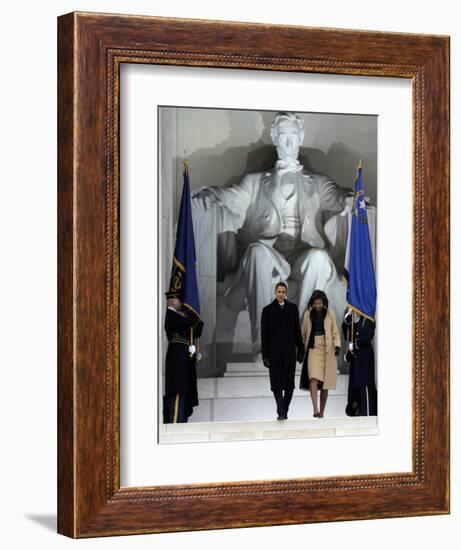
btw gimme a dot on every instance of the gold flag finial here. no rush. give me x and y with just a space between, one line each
185 164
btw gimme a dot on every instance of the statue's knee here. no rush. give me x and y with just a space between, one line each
255 252
318 259
318 255
265 262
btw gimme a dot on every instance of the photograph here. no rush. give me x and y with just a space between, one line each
267 252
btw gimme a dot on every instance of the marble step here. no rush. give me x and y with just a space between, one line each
271 429
251 386
262 408
256 366
264 372
243 374
246 367
251 369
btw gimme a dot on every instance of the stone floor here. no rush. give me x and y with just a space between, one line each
195 432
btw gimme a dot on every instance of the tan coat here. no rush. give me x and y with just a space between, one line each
332 339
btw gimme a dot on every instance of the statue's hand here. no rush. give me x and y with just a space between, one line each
204 199
348 202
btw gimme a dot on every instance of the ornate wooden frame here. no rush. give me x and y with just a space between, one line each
91 48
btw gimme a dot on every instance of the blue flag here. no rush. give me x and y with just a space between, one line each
359 269
183 281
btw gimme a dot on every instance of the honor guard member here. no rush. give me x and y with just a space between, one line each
362 395
182 327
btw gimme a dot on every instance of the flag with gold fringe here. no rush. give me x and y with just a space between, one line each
183 280
359 269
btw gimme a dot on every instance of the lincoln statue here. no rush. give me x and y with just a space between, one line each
285 222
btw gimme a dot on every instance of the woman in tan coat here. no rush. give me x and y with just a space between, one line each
323 344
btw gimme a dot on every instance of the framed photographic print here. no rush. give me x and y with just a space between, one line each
287 188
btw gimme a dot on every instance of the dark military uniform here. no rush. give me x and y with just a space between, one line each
362 395
180 369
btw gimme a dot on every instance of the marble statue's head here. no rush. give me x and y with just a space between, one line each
287 133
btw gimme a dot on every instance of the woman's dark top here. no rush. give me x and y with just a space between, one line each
318 328
317 322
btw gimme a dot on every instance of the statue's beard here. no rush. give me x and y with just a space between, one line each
288 156
288 162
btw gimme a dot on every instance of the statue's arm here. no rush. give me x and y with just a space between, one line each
333 197
236 198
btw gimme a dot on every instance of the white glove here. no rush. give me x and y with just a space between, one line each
351 346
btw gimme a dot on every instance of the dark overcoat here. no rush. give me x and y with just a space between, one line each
281 341
180 369
362 359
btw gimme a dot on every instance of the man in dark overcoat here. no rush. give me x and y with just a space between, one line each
362 395
282 344
182 327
